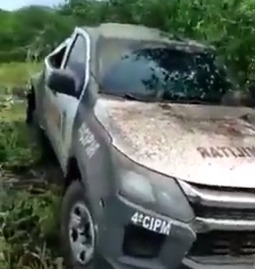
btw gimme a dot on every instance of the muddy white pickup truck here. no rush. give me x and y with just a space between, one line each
157 160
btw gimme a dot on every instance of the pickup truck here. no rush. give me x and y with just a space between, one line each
158 162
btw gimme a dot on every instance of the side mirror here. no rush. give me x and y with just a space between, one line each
61 81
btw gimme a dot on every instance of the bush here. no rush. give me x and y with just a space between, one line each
29 205
227 24
29 226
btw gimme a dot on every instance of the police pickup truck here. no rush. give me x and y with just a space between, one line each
158 165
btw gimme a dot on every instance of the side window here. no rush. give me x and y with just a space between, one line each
76 61
56 59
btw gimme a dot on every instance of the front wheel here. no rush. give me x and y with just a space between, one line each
77 229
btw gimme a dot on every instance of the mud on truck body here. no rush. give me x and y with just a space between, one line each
159 166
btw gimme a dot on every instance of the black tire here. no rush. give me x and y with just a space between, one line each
31 117
74 194
30 106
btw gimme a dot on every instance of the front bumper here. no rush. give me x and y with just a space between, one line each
176 250
125 245
220 264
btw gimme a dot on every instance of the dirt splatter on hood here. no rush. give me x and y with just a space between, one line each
213 145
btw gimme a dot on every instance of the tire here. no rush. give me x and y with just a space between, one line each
75 198
30 106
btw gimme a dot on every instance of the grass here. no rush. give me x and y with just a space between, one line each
28 203
17 74
17 147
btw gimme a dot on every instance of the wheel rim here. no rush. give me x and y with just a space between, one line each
81 233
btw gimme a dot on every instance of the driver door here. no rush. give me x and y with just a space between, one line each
51 112
63 107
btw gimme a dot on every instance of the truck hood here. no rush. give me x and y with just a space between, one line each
211 145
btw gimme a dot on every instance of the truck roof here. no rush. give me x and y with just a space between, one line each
142 33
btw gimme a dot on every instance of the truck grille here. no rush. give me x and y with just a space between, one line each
214 205
223 213
235 244
221 202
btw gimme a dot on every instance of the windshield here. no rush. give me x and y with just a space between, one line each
159 72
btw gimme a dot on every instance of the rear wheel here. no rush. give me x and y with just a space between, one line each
30 111
77 229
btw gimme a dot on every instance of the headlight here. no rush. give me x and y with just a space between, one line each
161 194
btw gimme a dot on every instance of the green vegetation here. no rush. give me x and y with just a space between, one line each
31 32
30 229
27 216
15 149
29 201
16 74
229 25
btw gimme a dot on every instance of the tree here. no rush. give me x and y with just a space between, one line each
226 24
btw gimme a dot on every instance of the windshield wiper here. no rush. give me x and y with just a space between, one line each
141 98
131 97
185 101
191 101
